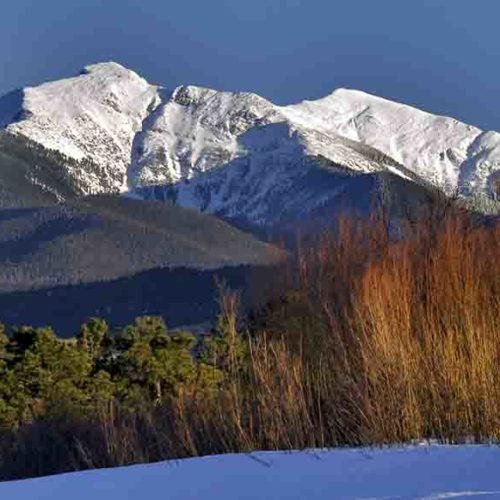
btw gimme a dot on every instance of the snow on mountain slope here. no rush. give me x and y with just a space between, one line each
426 472
237 154
92 117
441 150
198 129
195 130
280 176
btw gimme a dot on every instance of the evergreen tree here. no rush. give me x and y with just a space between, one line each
152 358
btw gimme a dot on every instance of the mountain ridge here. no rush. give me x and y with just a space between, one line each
108 130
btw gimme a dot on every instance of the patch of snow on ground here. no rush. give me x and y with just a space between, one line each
422 472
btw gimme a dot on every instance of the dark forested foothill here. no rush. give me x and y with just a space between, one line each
105 238
186 297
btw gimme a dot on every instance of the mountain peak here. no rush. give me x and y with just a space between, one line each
345 98
105 67
90 118
191 94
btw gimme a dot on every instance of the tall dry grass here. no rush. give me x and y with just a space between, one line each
428 316
405 334
375 341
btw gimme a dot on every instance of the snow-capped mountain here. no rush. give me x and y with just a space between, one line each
93 117
233 154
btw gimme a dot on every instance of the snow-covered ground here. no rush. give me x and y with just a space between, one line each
425 472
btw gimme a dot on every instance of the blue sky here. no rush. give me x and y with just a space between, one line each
441 55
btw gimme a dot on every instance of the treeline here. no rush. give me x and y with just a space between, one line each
366 339
57 174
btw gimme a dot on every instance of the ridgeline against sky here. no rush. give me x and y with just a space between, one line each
439 55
